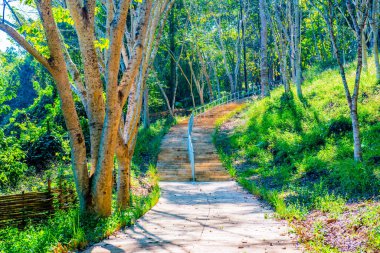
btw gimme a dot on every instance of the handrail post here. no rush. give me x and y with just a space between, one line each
190 147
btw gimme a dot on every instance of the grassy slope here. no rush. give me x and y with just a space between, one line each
299 157
65 231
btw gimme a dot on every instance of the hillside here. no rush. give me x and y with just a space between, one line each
299 158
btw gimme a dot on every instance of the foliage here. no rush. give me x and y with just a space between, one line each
298 156
11 161
44 152
67 230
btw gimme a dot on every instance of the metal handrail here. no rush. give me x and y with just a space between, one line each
223 100
202 110
190 147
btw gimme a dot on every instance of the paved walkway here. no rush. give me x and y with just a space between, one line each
203 217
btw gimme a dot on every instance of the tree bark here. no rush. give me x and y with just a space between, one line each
374 21
198 84
297 45
222 47
146 118
292 42
364 52
351 100
205 73
103 106
244 46
265 92
124 178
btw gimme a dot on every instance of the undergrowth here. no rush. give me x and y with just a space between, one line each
298 156
66 230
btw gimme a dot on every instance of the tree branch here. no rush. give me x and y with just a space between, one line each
25 44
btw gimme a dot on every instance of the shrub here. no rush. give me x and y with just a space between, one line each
12 166
339 125
45 151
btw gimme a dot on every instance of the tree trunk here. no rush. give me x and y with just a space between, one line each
375 30
376 53
95 187
175 89
356 134
172 49
244 46
77 144
198 83
205 73
351 100
292 42
171 111
263 51
146 118
364 52
191 91
222 47
216 78
297 45
238 48
124 179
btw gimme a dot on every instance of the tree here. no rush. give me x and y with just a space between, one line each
374 22
297 47
105 88
281 44
358 15
265 92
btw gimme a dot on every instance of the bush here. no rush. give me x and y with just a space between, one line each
66 231
298 156
45 151
339 126
12 166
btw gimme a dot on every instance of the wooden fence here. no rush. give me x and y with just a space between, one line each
19 209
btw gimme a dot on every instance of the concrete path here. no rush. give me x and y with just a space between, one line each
203 217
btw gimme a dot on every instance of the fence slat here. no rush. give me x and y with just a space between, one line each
18 209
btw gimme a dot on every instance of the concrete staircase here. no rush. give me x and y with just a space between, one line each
173 161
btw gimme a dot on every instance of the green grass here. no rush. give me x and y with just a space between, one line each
299 156
66 230
148 144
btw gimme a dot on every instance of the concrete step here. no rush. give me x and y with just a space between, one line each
173 160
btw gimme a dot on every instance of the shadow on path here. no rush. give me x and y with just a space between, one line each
203 217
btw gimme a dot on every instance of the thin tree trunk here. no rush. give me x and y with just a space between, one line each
198 83
364 52
292 40
351 100
263 51
238 47
172 49
297 45
280 46
146 118
191 91
375 30
228 73
216 78
205 73
175 89
171 111
317 51
244 46
354 106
